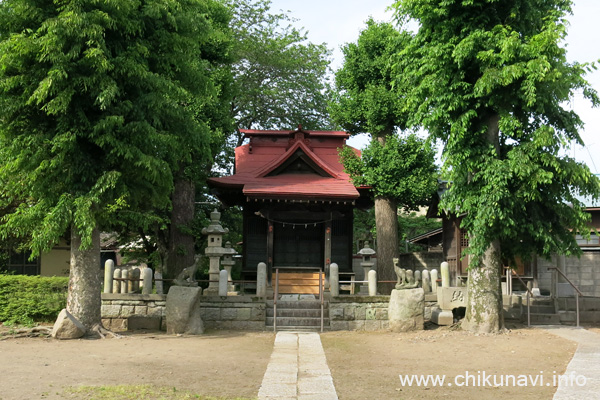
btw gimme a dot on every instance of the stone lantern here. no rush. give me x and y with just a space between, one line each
214 250
228 263
367 263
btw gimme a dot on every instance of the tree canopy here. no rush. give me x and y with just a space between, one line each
491 80
364 100
402 169
481 65
280 78
91 107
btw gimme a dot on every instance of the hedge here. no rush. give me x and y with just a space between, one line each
30 299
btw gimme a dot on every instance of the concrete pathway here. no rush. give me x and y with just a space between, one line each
297 369
585 362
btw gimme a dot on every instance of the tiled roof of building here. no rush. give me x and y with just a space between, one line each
290 165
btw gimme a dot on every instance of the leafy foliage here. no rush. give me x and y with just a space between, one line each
28 299
492 82
403 169
93 115
279 77
365 100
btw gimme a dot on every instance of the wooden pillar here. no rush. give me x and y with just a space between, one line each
270 235
327 251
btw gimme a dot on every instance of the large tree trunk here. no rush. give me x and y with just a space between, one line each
484 311
181 245
386 224
83 299
484 293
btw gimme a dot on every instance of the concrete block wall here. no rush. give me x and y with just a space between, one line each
584 272
421 260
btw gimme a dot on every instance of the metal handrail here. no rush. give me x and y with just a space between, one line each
276 295
321 290
529 293
574 287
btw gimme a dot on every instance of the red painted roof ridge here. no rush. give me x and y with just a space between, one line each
262 132
304 147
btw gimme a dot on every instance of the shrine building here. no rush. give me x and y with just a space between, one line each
297 200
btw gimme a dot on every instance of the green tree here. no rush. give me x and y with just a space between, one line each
280 78
402 171
491 81
366 102
93 118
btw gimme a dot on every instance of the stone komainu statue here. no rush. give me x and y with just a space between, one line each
187 277
406 278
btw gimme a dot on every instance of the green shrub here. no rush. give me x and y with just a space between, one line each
29 299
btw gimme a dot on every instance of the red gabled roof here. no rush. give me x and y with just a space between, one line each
258 161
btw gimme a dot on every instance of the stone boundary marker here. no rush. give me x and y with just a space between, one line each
297 369
585 362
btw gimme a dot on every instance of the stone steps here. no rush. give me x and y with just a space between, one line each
298 314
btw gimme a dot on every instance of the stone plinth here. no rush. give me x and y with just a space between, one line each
406 310
183 311
450 298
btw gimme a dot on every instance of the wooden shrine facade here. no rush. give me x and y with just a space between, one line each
297 201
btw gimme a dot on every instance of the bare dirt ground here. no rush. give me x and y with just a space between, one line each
368 365
228 364
232 364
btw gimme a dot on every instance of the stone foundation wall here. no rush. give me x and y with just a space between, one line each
366 313
128 311
359 313
122 312
233 312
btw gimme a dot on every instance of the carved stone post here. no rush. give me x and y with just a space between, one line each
109 270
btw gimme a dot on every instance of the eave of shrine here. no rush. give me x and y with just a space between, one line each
289 166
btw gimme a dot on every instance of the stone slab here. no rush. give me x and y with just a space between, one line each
450 298
406 309
183 311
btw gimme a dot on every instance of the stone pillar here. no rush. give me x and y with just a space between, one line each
130 281
445 274
147 277
135 280
261 280
160 287
418 278
125 277
116 283
109 270
372 283
334 280
426 281
434 280
223 283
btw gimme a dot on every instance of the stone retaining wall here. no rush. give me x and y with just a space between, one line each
233 312
365 313
138 311
129 311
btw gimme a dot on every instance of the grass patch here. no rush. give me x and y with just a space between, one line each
135 392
